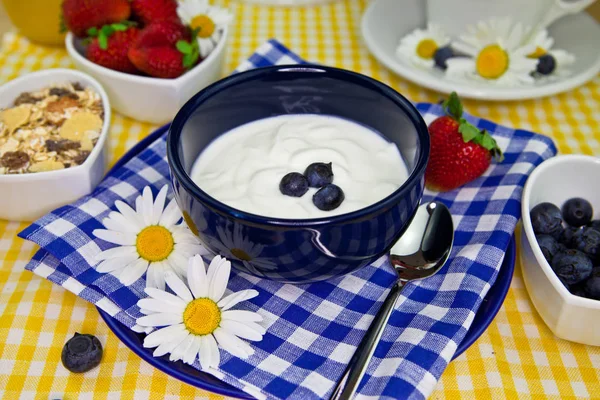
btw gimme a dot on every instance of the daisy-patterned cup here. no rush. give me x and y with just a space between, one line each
302 250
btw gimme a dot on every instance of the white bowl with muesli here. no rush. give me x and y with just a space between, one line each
53 129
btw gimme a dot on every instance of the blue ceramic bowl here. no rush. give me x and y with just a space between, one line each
303 250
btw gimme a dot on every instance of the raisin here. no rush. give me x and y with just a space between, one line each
81 157
14 159
60 105
26 98
61 92
62 145
77 86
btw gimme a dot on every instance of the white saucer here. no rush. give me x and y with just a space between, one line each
386 21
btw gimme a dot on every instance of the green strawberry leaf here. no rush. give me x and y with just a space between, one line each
453 107
119 27
184 47
469 132
93 32
62 26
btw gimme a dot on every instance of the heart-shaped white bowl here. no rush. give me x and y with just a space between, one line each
556 180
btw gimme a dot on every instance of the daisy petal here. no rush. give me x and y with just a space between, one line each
159 204
233 344
170 215
218 276
116 263
204 353
240 329
167 347
160 319
147 205
165 296
158 306
133 272
127 225
176 267
196 275
235 298
188 249
242 316
181 349
215 355
116 252
146 312
192 352
150 280
163 335
120 238
183 235
128 212
159 274
178 286
112 225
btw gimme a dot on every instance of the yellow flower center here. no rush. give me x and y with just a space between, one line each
154 243
492 62
426 48
537 53
202 316
205 25
188 220
241 255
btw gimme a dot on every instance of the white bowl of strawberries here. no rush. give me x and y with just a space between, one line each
149 60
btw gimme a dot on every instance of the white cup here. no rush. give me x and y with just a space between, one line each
453 16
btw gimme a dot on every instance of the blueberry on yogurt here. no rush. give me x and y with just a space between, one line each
319 174
329 197
293 184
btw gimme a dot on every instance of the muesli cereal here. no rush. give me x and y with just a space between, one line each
54 128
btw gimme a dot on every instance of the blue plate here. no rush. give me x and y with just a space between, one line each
486 313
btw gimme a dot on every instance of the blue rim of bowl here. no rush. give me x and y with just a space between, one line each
483 318
402 102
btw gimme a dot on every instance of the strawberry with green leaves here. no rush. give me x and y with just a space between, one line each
149 11
80 15
110 45
165 49
460 152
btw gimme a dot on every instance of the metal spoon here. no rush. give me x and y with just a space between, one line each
419 253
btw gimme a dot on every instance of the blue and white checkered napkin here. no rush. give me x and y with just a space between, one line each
313 330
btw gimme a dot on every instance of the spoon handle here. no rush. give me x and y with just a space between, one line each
357 366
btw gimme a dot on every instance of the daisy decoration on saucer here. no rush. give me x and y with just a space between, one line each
148 240
551 63
207 20
496 54
421 45
198 319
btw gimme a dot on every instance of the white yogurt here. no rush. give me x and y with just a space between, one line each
243 167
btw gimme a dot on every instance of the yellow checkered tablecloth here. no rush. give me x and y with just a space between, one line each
517 357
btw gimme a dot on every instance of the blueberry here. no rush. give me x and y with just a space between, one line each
442 55
592 285
329 197
588 241
319 174
567 234
546 64
595 224
546 219
579 289
572 266
577 212
293 184
81 353
548 245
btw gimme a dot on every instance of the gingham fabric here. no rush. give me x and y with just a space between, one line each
313 330
517 357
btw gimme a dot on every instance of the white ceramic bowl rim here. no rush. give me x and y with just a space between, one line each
528 229
103 133
72 50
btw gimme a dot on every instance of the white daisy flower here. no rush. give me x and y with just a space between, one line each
420 46
148 240
497 54
552 63
209 20
197 320
234 245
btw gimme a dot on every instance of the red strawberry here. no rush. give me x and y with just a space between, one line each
148 11
459 151
80 15
162 33
110 48
159 62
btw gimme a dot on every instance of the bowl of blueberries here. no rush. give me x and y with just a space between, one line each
560 246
